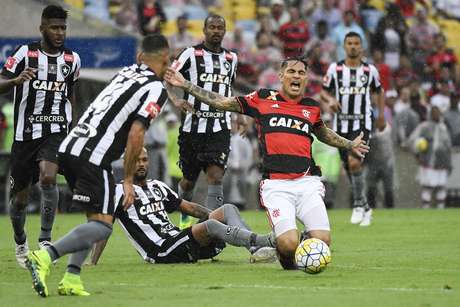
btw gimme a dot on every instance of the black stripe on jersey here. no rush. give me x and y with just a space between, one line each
137 234
286 164
186 97
49 96
351 97
32 96
199 62
339 84
18 96
215 89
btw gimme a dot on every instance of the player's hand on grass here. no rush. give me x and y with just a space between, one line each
174 77
27 74
129 196
359 146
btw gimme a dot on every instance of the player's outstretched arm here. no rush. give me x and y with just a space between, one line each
328 136
215 100
194 210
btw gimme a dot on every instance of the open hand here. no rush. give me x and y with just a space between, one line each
359 147
174 77
27 74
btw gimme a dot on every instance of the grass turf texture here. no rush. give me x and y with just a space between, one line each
406 258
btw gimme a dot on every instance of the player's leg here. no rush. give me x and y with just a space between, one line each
212 230
214 176
190 170
279 199
214 154
361 209
311 210
48 164
388 186
23 172
49 200
426 194
94 191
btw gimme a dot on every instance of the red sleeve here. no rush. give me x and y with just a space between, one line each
249 104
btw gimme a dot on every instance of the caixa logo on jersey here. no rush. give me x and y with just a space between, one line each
353 90
289 123
151 208
51 86
215 78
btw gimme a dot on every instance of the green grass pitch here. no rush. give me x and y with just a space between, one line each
406 258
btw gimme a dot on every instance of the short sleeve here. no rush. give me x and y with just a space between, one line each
172 201
327 79
76 72
249 103
15 63
375 85
182 62
156 98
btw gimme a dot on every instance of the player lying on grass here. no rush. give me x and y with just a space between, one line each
157 240
285 119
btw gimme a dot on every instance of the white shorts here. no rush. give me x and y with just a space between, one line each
430 177
286 200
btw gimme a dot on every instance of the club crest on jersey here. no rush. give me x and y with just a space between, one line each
65 69
306 113
363 78
289 123
227 65
157 193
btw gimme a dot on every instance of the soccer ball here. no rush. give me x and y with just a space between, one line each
421 144
312 256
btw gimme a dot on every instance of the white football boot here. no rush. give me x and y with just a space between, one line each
357 215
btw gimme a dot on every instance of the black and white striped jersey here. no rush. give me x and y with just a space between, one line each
146 222
352 87
42 105
135 93
213 72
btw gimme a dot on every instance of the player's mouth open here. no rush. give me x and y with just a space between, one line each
295 85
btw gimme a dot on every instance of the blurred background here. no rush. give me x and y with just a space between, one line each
415 44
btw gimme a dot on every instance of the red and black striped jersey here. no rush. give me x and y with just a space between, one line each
284 130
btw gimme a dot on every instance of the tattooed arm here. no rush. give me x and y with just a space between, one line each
194 209
215 100
326 135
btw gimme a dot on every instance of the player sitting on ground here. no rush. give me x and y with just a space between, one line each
157 240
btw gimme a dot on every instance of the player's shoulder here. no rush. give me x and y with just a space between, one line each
265 93
230 55
71 55
309 101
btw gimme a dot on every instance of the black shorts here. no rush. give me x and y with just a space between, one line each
183 248
26 156
198 151
351 136
93 187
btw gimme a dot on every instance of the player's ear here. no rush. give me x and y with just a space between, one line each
139 57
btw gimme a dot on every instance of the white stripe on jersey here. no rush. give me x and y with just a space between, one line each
105 205
138 247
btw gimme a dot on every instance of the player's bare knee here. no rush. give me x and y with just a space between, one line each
287 245
323 235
